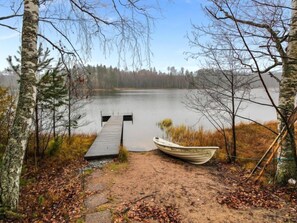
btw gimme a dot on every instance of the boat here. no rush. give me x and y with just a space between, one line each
192 154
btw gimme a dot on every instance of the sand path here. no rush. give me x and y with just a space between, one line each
159 179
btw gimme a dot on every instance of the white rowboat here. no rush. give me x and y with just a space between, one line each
192 154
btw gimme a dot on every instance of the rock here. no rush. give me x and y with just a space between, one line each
94 201
94 187
99 217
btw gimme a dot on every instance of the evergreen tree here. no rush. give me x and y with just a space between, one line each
52 95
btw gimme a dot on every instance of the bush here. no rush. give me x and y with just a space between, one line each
165 124
54 145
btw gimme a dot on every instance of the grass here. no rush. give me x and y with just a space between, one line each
123 155
252 140
165 124
103 207
121 163
62 149
116 166
75 147
88 172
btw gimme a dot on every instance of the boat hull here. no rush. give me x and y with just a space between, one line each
194 155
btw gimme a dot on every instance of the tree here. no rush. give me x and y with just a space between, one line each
124 24
51 99
76 86
15 150
53 95
220 95
262 37
287 164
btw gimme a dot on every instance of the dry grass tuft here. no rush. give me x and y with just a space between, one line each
252 140
123 154
165 123
74 147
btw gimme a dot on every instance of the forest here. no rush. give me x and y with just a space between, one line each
101 77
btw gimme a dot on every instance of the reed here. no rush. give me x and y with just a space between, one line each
252 140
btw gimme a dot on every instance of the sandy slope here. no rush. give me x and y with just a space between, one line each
165 181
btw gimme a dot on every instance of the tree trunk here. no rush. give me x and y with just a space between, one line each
287 165
69 104
15 150
37 139
54 123
234 152
233 116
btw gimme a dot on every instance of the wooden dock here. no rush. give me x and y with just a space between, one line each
126 116
110 138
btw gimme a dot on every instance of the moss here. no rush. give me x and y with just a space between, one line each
80 220
88 172
102 207
116 166
25 181
11 215
41 200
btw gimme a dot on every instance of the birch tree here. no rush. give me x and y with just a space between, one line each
15 150
287 161
262 36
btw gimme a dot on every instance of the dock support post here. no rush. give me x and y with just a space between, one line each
122 133
101 117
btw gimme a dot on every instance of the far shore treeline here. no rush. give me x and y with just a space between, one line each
103 77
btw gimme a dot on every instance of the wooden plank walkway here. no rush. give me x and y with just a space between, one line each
108 141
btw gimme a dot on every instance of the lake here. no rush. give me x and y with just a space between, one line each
151 106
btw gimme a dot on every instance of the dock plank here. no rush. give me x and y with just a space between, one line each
108 140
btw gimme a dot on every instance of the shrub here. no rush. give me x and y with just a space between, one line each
54 145
165 123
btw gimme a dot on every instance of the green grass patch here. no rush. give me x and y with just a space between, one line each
116 166
80 220
88 172
103 207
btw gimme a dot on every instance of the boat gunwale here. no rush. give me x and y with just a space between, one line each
170 145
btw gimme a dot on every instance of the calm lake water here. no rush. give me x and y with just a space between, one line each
151 106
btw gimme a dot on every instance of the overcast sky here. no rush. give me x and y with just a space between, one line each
168 43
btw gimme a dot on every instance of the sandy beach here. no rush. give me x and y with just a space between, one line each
152 184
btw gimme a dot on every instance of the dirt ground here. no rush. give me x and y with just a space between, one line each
156 180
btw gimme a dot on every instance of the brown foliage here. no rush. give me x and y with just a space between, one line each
244 194
250 195
53 192
143 211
